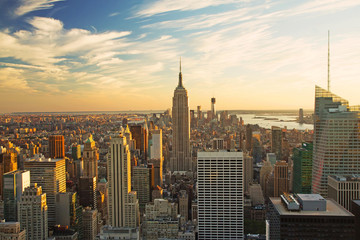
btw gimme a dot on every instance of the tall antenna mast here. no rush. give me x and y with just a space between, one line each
328 77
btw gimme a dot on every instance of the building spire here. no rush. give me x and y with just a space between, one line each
328 75
180 76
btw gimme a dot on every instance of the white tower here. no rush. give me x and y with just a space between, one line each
220 195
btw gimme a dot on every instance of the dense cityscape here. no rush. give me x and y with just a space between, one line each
180 174
179 120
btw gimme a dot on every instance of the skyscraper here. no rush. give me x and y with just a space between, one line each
50 175
123 205
336 139
56 146
181 159
281 178
32 213
14 184
90 159
302 162
220 195
276 142
213 111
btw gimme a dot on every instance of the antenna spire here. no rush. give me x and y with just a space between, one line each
180 76
328 76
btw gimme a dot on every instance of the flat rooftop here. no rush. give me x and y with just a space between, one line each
310 197
346 178
332 209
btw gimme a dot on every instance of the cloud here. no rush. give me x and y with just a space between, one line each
27 6
165 6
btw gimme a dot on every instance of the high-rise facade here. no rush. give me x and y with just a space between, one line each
336 139
50 175
181 158
344 189
220 195
302 168
308 216
14 184
213 111
56 146
90 159
8 163
281 178
143 183
12 230
276 142
123 206
32 213
156 146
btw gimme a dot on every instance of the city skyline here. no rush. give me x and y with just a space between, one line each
58 56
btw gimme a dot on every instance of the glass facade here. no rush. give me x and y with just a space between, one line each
336 139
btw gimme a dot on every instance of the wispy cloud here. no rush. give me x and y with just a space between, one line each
27 6
165 6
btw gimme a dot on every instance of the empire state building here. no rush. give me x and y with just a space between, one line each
180 159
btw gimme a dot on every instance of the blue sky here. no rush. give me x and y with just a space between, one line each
124 55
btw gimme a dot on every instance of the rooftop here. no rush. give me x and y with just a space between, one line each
348 178
311 197
332 209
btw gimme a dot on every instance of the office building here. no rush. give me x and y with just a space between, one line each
161 220
248 172
213 111
183 206
199 113
181 158
156 146
140 134
265 173
301 115
90 159
8 163
123 206
68 211
87 192
302 168
56 146
271 157
143 180
276 142
343 189
32 213
220 195
281 178
308 216
14 184
11 231
89 220
248 138
218 144
50 175
76 151
355 209
336 139
124 233
158 171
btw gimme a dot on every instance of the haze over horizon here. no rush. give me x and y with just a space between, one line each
60 55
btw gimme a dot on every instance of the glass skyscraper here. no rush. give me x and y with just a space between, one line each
336 139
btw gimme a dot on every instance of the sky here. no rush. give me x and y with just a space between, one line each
118 55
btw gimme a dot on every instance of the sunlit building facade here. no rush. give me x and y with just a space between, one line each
220 195
336 139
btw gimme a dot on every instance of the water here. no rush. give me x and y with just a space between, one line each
282 121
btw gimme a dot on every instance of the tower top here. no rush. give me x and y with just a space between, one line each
180 85
328 75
